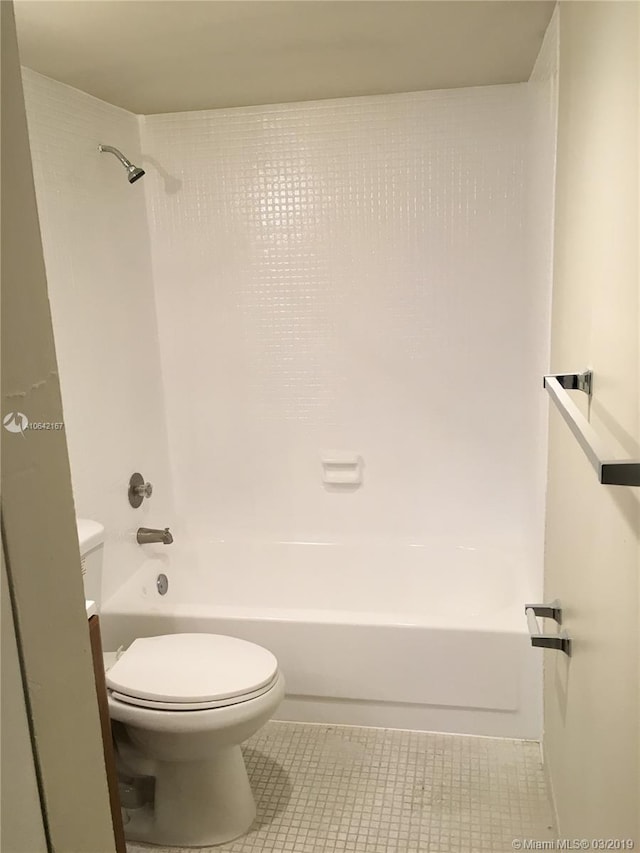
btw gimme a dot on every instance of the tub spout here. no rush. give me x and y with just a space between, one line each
146 535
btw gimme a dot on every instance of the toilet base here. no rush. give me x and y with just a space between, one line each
197 803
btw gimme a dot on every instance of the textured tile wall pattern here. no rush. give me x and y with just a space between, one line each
341 275
349 275
96 251
341 789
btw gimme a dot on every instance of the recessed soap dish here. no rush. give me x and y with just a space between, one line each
341 468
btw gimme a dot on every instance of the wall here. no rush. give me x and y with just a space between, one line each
96 250
38 529
349 275
543 95
591 700
21 819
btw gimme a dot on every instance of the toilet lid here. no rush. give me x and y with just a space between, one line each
191 668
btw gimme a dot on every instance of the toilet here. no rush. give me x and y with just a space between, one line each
186 702
181 705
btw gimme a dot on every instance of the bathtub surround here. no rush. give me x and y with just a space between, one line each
335 280
354 277
96 250
591 737
350 275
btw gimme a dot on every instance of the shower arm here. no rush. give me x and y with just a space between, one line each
109 149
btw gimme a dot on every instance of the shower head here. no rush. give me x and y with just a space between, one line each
133 172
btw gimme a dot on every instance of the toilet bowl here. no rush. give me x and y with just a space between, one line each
183 704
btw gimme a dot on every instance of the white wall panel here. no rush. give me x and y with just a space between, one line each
350 275
96 250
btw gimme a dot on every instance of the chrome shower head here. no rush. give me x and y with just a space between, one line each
133 172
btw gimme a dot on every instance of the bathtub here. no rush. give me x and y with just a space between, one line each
429 638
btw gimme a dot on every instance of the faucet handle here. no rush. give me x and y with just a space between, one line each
145 490
138 490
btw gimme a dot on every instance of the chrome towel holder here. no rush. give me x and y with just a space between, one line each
610 471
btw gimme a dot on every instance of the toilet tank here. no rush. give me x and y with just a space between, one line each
91 539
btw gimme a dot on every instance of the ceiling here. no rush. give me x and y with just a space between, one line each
156 56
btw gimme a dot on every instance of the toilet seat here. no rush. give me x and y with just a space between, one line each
190 672
191 706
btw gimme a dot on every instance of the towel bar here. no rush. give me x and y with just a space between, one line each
610 471
559 641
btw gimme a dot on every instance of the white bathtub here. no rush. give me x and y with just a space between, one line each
417 637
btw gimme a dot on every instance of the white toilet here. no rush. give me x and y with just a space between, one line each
185 703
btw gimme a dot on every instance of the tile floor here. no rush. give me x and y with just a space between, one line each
360 790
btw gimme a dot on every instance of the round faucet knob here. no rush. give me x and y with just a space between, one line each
138 490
